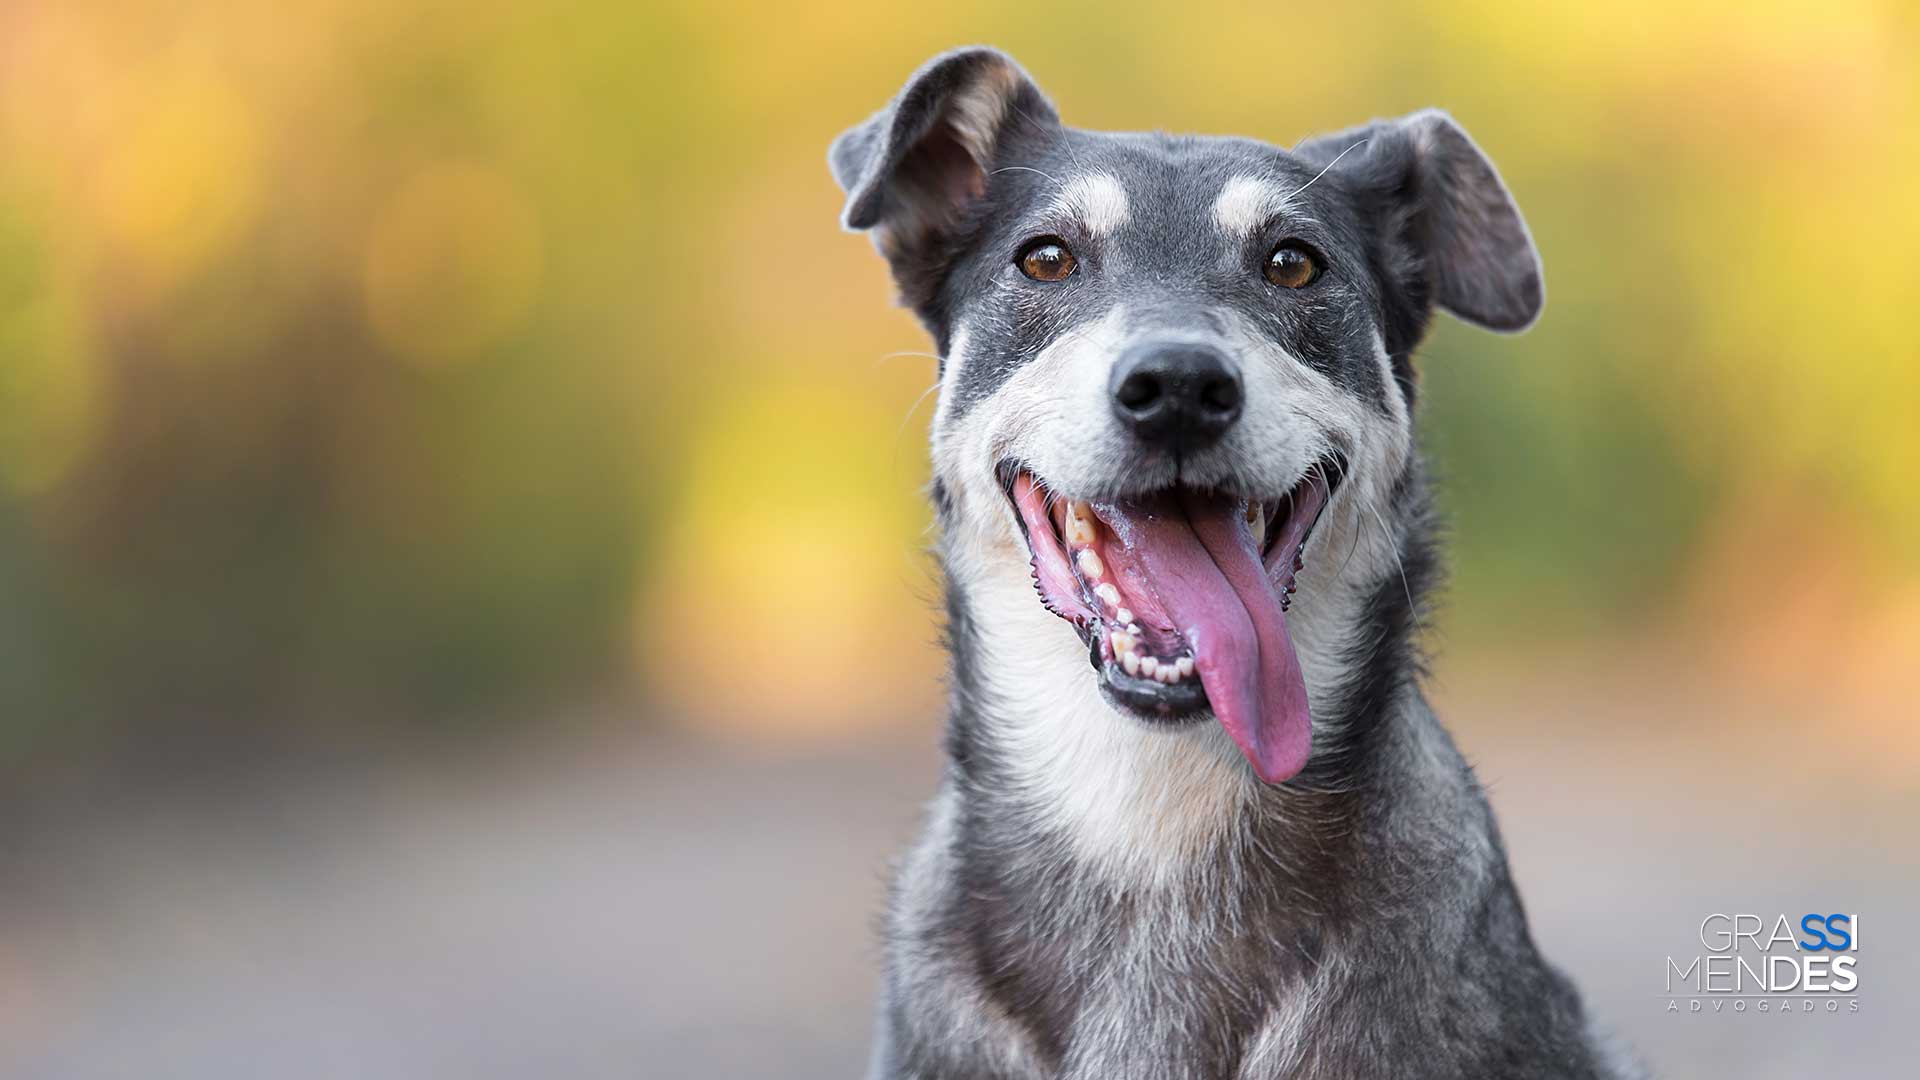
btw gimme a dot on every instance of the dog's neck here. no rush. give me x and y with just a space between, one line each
1032 734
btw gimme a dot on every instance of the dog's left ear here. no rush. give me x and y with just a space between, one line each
1471 251
914 169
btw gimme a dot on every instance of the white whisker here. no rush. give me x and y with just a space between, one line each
1023 168
1323 172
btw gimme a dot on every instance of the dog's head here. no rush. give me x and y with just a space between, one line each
1168 358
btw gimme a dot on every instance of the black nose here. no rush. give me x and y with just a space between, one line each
1181 397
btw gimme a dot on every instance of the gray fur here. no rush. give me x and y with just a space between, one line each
1096 897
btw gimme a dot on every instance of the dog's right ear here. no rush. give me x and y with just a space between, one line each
1433 190
913 170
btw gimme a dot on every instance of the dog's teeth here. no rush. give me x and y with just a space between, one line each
1149 665
1123 615
1256 520
1108 593
1123 642
1080 530
1168 674
1134 629
1130 661
1090 563
1184 666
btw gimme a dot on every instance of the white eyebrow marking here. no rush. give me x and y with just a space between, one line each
1245 203
1098 200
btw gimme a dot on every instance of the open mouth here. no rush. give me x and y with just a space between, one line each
1181 596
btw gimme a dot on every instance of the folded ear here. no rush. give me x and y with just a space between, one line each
913 170
1470 247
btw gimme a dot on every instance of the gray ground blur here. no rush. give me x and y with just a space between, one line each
674 908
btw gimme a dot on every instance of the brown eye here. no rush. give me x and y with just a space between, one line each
1046 260
1291 266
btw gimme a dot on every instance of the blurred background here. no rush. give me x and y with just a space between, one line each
420 424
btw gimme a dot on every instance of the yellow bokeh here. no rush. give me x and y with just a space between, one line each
453 264
180 184
791 593
656 449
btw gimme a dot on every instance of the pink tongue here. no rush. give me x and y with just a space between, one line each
1203 562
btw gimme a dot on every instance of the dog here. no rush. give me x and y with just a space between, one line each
1197 819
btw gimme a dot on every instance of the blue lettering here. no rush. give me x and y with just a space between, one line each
1845 937
1807 923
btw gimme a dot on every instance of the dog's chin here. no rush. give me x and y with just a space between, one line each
1178 593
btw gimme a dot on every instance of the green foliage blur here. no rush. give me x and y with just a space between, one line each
370 366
